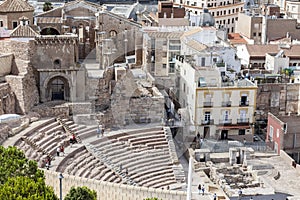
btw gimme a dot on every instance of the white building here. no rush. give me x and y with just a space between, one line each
217 109
224 12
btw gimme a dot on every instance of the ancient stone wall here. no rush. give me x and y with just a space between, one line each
129 107
54 52
20 49
80 108
25 90
7 99
52 111
277 98
110 191
4 132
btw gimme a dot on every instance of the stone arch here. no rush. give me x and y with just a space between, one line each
49 31
58 87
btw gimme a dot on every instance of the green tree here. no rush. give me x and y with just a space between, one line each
20 178
81 193
24 188
13 163
47 6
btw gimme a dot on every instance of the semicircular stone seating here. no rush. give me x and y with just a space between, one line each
144 157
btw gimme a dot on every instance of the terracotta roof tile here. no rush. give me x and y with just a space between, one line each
25 31
15 6
261 50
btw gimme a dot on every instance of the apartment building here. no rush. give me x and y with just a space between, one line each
217 108
225 12
263 27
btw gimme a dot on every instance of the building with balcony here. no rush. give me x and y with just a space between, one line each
217 108
272 56
224 12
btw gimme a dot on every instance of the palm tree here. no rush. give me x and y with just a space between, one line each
47 6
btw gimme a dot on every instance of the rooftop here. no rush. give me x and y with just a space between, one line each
15 6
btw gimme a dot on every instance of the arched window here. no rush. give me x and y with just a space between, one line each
113 33
57 64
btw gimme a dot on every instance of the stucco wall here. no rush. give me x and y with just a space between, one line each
110 191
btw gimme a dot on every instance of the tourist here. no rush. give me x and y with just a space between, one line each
215 196
126 171
199 188
203 189
73 139
240 193
57 151
99 130
62 149
201 141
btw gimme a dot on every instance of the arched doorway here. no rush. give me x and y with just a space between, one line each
49 31
58 89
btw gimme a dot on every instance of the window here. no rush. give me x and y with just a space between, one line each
1 23
202 61
259 34
271 133
242 132
184 87
254 34
228 21
243 114
57 64
224 12
113 33
229 12
207 116
232 20
244 100
171 67
225 115
14 24
164 66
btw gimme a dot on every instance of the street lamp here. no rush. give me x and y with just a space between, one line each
60 185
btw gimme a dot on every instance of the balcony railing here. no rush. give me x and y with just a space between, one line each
226 103
225 121
243 121
207 122
244 103
207 104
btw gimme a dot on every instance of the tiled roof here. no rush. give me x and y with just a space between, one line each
173 22
261 50
15 6
48 20
24 31
236 38
165 34
196 45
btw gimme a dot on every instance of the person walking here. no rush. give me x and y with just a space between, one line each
57 151
215 196
62 149
199 188
203 189
240 193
